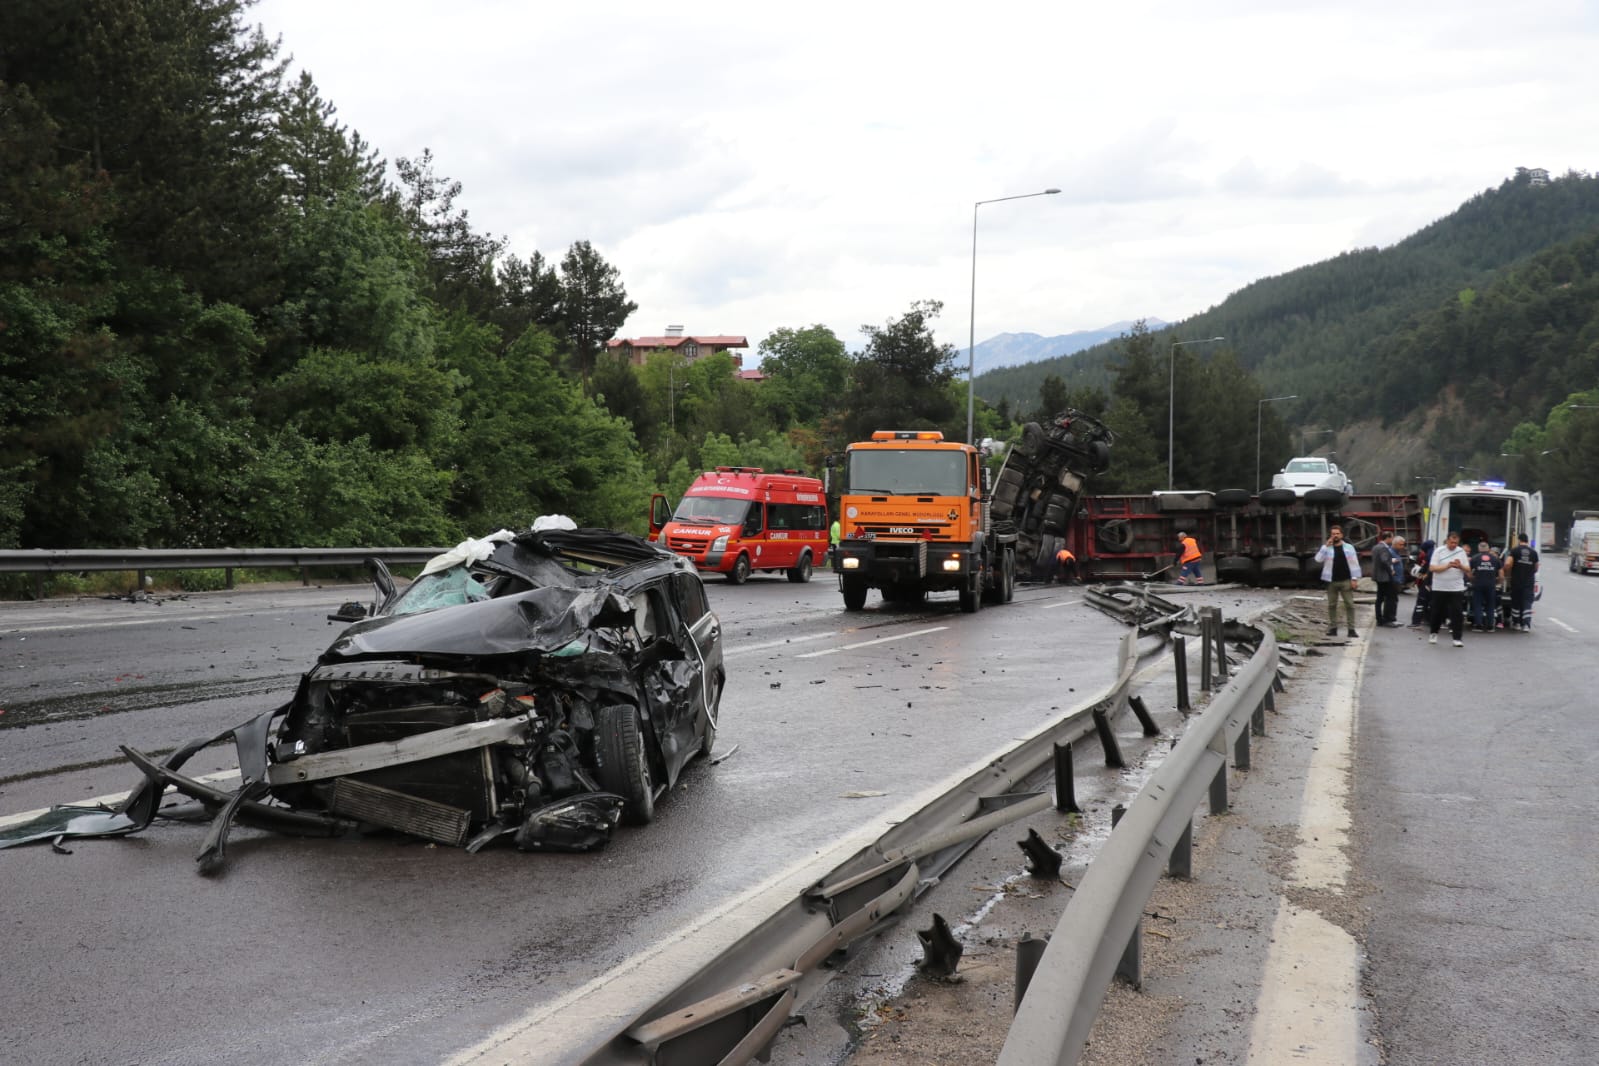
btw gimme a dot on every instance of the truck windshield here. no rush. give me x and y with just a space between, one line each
907 472
711 509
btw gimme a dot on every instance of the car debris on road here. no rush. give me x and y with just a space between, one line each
545 685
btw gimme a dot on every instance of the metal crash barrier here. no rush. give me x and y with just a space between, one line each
1099 934
42 561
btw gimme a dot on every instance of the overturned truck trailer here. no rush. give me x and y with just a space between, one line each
1270 539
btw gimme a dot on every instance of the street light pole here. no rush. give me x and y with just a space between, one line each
1171 402
971 335
1260 407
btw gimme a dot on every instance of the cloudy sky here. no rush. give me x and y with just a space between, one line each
752 166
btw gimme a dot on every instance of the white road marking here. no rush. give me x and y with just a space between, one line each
747 648
166 619
1309 1006
1562 625
1062 603
869 643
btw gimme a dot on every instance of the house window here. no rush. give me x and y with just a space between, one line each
691 350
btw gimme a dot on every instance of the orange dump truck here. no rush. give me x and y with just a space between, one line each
914 518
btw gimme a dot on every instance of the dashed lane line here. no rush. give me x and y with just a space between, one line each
869 643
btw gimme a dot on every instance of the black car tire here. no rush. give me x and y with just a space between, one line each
621 764
854 589
740 572
801 571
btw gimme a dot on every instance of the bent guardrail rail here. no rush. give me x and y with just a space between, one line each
727 1009
1098 935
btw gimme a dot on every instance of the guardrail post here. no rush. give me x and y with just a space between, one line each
1144 719
1028 952
1180 654
138 581
1219 627
227 577
1181 861
1204 652
305 576
1241 750
1218 790
1257 721
1131 966
1065 780
1107 740
38 585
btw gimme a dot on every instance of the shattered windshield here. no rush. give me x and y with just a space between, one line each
711 509
443 588
907 472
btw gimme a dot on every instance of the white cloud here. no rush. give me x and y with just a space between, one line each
748 167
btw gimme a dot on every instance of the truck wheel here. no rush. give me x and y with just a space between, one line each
801 572
621 764
972 597
740 572
1009 578
854 589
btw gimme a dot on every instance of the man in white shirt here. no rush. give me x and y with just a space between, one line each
1450 566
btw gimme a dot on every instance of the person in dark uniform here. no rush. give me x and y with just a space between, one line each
1485 566
1387 573
1521 572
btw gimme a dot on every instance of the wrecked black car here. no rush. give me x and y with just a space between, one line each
544 686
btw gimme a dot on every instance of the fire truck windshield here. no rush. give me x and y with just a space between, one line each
907 472
711 509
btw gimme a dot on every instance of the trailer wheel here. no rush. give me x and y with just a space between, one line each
1008 570
801 572
1116 535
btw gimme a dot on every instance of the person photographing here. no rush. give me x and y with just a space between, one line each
1340 569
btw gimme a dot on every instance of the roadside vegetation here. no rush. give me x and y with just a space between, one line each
226 320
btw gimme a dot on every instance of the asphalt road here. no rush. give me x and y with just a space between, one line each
378 949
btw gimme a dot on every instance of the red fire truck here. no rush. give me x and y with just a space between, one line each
735 520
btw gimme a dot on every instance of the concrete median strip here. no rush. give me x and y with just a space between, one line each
1309 1008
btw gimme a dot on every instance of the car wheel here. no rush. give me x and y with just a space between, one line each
740 572
620 763
801 572
854 589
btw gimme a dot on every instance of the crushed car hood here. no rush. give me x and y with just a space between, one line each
542 620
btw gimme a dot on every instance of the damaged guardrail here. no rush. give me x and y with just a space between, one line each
1099 934
42 561
729 1010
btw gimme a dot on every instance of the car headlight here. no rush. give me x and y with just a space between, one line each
719 544
851 563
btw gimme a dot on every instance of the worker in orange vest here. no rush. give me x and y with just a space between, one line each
1066 567
1189 557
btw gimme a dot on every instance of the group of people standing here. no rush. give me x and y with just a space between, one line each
1444 577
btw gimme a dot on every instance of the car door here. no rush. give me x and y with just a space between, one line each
703 633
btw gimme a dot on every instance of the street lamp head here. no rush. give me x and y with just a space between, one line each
1051 192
